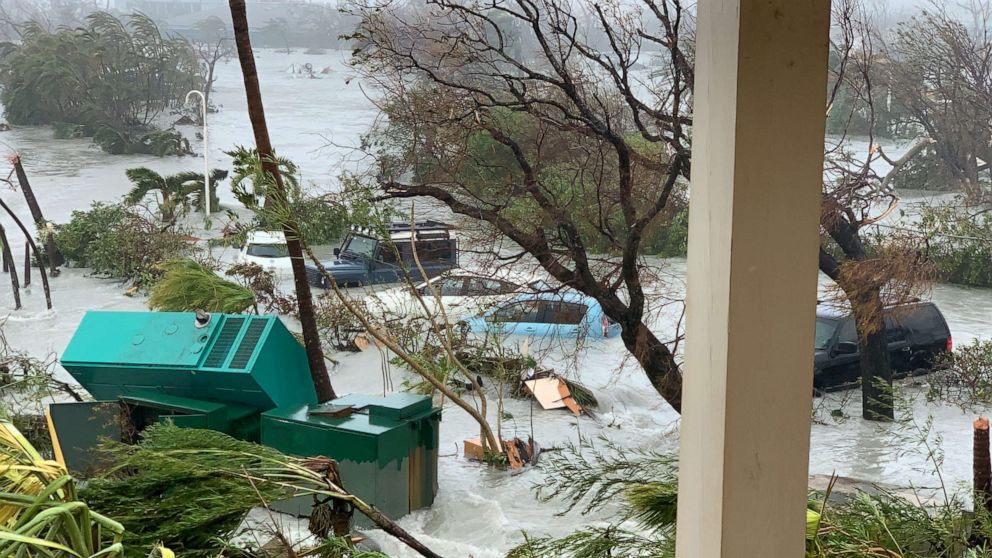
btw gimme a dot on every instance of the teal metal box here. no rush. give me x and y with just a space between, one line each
387 448
145 367
246 376
245 360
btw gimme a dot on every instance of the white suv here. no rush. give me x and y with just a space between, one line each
268 250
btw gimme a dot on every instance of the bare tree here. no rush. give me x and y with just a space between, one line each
212 44
581 149
870 270
941 73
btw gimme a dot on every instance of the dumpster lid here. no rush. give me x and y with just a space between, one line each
395 406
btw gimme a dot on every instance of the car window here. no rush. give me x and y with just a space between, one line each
848 333
268 250
518 312
387 252
924 320
451 286
894 331
563 313
488 287
435 251
361 245
825 329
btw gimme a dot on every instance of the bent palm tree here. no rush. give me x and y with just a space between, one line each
40 513
177 193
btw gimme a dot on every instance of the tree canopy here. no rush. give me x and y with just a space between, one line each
110 73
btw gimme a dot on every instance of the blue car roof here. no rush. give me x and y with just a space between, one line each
559 296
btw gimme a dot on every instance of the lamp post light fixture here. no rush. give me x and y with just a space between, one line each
206 161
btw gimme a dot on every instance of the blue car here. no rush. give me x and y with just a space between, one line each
564 314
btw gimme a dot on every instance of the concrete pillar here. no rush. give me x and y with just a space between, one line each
761 70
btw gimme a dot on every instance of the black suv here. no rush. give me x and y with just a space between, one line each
364 259
916 332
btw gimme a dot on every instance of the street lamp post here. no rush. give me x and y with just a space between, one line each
206 161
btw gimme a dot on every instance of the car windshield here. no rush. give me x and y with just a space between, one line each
268 250
361 246
825 329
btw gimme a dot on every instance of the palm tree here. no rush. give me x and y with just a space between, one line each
278 197
40 513
177 192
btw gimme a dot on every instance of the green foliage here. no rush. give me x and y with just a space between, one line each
118 241
581 180
189 286
886 525
177 193
40 513
964 377
584 477
160 143
86 229
926 171
109 77
321 219
641 489
181 487
960 245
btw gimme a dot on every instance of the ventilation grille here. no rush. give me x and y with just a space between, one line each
225 340
248 343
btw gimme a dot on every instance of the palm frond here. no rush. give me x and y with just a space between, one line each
189 286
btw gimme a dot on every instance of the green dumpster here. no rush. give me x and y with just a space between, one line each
246 376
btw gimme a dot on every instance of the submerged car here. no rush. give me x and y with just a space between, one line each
917 334
366 259
460 293
268 250
551 314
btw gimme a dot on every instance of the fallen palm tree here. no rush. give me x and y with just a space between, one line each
40 513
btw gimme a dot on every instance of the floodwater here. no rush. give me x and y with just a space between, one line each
479 512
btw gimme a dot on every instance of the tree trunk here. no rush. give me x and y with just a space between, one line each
657 361
27 264
8 257
54 257
876 369
982 466
27 236
206 89
256 113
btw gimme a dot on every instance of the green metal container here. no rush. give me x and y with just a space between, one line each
246 376
387 447
251 361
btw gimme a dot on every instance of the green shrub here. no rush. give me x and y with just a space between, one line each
191 502
119 242
959 245
964 377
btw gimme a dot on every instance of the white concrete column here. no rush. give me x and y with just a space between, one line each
761 70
